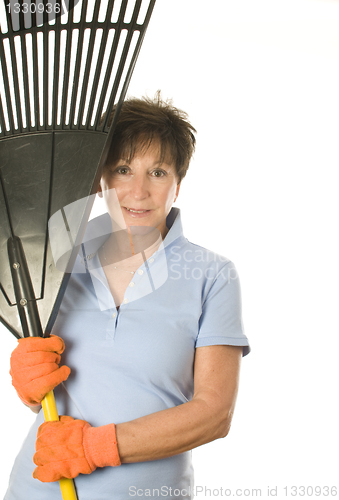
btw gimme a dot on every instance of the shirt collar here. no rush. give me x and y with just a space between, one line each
174 224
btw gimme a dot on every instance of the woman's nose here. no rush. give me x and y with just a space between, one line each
139 187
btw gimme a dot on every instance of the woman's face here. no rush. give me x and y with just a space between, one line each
146 188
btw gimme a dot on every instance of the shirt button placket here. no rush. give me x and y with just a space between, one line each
132 284
111 326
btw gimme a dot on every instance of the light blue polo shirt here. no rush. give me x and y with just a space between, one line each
137 360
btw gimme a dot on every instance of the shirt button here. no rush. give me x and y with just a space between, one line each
125 301
131 284
113 315
140 272
151 261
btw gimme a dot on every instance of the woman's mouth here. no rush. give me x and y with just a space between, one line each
133 212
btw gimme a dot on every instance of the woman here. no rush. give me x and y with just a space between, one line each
152 331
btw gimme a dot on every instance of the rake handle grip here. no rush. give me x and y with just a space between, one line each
51 414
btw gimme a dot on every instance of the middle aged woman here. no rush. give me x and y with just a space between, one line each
152 330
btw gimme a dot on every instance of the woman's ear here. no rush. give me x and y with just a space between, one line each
177 192
99 191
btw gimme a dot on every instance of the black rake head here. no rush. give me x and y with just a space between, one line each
64 67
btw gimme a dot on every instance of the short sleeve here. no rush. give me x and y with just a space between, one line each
221 321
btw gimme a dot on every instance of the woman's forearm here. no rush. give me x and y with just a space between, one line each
172 431
151 437
207 417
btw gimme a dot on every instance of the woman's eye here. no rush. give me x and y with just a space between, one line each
122 170
159 173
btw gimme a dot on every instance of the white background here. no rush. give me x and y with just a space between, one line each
260 80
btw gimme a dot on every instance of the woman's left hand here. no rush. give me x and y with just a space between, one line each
68 447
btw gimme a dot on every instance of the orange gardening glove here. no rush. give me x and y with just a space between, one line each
35 367
71 447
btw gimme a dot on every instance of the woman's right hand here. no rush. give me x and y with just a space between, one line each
35 368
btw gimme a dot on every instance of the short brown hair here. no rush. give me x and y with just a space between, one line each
141 121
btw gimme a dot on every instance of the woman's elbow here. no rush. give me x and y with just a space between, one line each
217 416
221 425
224 426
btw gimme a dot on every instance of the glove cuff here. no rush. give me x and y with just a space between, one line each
100 446
27 403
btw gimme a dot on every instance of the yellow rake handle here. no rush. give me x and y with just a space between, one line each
51 414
